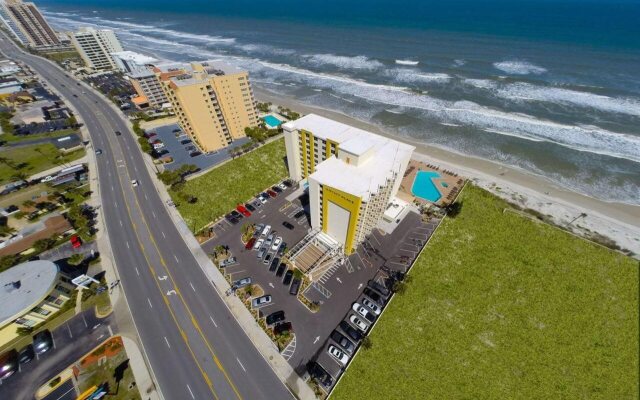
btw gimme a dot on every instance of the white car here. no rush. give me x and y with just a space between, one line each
266 230
360 310
338 355
371 306
282 186
258 244
134 183
358 323
48 178
276 243
262 199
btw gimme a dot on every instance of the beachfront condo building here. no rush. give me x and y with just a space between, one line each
130 62
26 23
352 175
95 47
148 88
213 101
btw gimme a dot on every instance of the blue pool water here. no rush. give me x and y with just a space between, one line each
424 188
272 121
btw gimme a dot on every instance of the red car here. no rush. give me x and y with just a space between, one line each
76 241
272 193
250 244
243 210
150 135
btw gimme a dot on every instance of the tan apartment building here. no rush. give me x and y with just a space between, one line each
213 101
26 22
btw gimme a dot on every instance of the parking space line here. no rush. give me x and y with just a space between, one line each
168 345
192 396
149 301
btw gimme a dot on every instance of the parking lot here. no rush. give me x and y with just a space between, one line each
375 262
179 147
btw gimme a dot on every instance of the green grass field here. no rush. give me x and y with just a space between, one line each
32 159
220 190
502 307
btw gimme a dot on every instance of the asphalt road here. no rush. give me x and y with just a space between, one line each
72 340
195 347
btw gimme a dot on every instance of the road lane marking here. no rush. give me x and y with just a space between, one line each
191 284
137 272
145 197
168 345
241 364
192 396
154 214
176 258
212 320
128 245
121 223
163 235
69 329
149 301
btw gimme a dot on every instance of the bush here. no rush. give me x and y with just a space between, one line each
145 145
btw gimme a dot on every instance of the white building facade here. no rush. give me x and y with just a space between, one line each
96 46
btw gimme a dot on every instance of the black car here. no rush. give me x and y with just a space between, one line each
186 141
281 249
195 154
320 374
287 277
295 286
42 342
281 269
287 183
275 317
346 344
276 189
26 354
250 207
373 296
298 214
352 332
8 364
236 214
265 195
381 289
118 133
231 219
282 328
274 264
288 225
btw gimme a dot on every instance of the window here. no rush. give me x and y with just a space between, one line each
41 311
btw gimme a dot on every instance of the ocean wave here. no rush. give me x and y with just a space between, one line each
407 62
459 63
343 62
481 83
411 76
519 68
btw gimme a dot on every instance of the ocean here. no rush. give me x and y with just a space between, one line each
548 86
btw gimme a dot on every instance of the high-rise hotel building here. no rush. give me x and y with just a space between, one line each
26 23
213 101
95 47
352 175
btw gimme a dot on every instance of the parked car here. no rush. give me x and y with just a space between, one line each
281 269
266 230
269 240
261 301
261 253
276 189
26 354
229 261
267 259
8 364
287 277
373 295
185 141
250 244
350 331
282 248
288 225
265 195
274 264
236 214
75 241
371 306
282 328
195 154
320 374
262 199
381 289
282 186
287 183
250 207
358 323
341 357
358 308
295 286
42 341
240 283
299 214
347 345
258 244
275 317
271 193
243 210
259 229
276 244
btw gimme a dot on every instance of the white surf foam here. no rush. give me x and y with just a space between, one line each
343 62
407 62
519 67
411 76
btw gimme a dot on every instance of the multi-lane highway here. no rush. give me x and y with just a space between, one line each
194 345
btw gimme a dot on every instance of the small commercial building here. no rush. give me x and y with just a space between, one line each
352 175
30 293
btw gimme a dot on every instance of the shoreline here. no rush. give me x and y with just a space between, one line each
617 221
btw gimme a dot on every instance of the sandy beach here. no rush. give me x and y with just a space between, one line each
617 221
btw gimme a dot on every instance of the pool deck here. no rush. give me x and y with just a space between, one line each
279 117
448 193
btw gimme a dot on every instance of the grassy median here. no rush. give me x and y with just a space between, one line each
500 306
28 160
220 190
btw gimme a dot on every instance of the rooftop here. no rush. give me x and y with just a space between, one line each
24 286
134 57
196 72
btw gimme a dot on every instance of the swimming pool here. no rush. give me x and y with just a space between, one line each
271 121
424 188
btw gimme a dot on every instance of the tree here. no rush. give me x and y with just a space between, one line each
75 259
28 203
399 287
367 342
8 261
41 245
297 274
